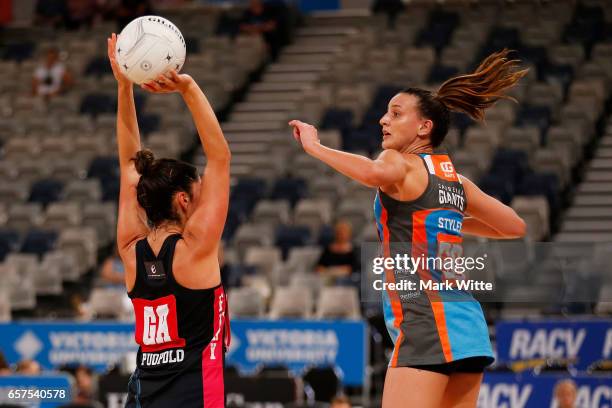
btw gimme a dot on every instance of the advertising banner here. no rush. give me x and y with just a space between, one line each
97 345
531 391
581 341
298 344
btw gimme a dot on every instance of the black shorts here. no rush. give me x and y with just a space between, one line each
465 365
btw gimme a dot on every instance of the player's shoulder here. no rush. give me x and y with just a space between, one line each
393 157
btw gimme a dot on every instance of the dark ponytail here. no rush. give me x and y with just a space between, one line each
470 94
144 161
159 181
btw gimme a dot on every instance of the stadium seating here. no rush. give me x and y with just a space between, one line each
60 177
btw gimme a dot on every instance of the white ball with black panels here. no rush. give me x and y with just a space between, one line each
149 46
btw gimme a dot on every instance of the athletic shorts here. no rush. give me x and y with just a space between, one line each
466 365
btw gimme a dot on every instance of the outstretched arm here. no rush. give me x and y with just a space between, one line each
388 168
131 224
489 217
204 228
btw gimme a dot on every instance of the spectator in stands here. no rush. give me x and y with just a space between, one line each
84 395
50 13
259 19
340 402
81 13
339 259
80 309
127 10
565 394
390 7
112 272
51 78
28 367
5 369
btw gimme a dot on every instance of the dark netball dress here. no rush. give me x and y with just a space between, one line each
182 333
429 326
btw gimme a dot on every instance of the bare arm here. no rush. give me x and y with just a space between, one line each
131 221
489 217
205 226
388 168
35 84
66 81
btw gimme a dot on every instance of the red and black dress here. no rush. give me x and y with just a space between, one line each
182 333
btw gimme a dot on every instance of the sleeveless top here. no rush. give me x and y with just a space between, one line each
429 326
177 328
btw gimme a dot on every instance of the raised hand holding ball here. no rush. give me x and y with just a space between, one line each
148 47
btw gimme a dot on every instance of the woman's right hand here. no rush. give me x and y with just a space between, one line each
112 43
168 83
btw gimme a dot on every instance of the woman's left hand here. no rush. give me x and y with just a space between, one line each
167 83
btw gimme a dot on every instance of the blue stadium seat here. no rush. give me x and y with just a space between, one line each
148 122
232 275
110 190
586 27
289 188
192 45
326 235
367 138
546 184
372 116
538 116
45 191
231 224
9 242
498 39
442 17
436 36
341 119
104 168
606 33
538 56
379 104
499 186
461 121
98 66
503 37
248 191
585 33
563 74
97 103
384 93
139 101
238 212
511 164
440 73
38 242
289 236
18 51
439 29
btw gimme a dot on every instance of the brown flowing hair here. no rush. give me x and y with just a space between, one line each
470 93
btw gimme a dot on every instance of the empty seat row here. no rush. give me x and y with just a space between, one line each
339 302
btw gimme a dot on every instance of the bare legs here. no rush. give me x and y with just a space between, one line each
411 387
